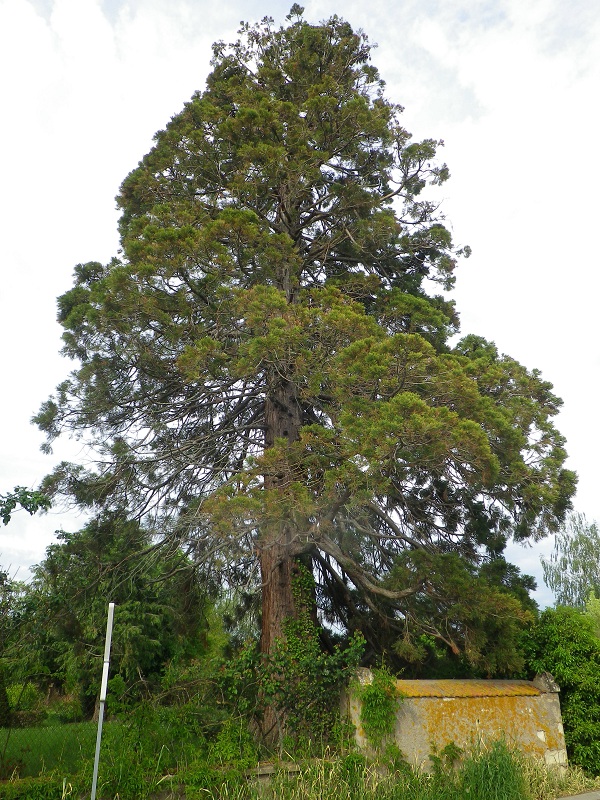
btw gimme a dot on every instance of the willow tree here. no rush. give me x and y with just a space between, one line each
263 374
572 570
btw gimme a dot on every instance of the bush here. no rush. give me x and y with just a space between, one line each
563 642
24 697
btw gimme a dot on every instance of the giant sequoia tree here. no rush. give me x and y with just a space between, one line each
266 380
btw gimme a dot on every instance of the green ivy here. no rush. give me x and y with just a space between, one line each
297 679
379 704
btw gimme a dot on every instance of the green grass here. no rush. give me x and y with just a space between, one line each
32 751
140 759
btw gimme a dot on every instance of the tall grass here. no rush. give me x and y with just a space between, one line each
147 756
489 772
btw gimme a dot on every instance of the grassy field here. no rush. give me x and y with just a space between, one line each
28 752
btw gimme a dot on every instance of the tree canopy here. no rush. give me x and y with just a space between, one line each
160 609
572 570
265 375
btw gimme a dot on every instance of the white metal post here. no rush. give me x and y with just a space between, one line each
103 685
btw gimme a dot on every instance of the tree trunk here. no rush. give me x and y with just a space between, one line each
276 566
5 714
283 415
283 419
277 551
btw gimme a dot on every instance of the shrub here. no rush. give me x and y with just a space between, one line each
24 697
563 642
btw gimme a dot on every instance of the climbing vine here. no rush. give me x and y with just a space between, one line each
298 679
379 703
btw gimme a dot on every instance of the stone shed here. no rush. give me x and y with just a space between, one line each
433 713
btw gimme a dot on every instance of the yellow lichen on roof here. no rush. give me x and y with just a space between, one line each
466 688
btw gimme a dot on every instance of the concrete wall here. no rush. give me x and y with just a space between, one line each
435 713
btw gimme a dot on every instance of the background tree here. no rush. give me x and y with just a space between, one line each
262 373
159 615
563 643
31 501
8 624
573 569
592 612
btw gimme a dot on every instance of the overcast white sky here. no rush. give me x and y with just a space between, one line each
511 86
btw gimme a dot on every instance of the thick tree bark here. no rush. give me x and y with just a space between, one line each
283 415
283 419
277 567
277 547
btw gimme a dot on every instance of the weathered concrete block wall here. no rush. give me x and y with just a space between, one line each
433 713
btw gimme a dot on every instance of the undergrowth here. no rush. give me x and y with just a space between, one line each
488 772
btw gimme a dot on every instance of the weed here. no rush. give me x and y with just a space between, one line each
492 772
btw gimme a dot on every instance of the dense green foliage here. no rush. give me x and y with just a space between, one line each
159 614
6 599
563 643
471 625
30 501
